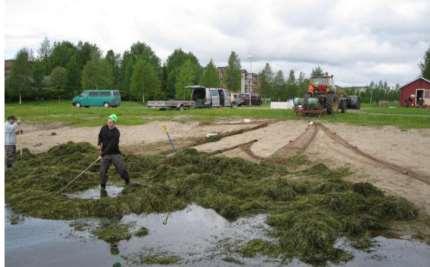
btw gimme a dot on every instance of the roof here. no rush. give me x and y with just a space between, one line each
99 90
419 78
195 86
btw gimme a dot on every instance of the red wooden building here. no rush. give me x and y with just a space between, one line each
415 93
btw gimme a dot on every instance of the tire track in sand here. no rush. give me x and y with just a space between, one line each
302 142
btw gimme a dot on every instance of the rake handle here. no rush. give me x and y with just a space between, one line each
79 175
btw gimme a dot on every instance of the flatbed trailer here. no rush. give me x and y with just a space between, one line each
170 104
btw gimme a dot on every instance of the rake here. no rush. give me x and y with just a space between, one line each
79 175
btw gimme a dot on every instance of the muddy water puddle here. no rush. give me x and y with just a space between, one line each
199 236
38 242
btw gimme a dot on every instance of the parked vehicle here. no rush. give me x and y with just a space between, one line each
97 98
320 98
242 99
170 104
224 97
353 102
201 97
210 97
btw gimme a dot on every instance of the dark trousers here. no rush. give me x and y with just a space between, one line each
119 164
10 151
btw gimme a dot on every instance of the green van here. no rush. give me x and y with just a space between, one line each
97 98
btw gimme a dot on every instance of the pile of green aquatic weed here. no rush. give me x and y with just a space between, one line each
307 214
255 246
160 259
309 226
143 231
112 232
148 257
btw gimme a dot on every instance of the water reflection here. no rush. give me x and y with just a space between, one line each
199 236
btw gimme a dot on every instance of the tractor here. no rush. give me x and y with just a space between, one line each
320 98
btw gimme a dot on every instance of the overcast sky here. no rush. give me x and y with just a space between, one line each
357 41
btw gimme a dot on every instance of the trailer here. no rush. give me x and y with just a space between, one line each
202 97
171 104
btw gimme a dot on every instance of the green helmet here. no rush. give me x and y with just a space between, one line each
113 117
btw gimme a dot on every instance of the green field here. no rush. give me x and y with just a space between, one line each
131 113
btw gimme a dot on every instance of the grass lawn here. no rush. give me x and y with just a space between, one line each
131 113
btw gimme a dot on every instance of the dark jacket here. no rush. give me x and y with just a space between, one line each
109 140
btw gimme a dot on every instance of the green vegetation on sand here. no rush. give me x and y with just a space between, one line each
308 210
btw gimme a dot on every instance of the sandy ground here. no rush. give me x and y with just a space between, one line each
39 139
270 138
325 149
409 149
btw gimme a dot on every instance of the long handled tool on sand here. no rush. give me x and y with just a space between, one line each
174 150
168 137
79 175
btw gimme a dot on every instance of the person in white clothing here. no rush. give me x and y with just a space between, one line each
11 130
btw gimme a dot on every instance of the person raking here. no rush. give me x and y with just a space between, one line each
108 143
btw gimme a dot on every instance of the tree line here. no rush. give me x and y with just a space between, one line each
375 92
276 87
64 69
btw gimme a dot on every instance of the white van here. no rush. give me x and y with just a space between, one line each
210 97
224 97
